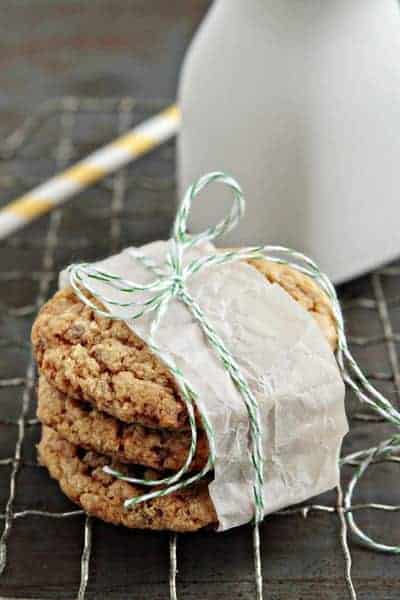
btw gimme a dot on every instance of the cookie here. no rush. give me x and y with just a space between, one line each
83 425
103 362
81 477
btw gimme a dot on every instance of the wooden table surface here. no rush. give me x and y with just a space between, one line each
132 48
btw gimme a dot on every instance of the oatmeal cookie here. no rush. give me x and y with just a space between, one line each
101 361
83 425
81 477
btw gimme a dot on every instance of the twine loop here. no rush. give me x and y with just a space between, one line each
170 282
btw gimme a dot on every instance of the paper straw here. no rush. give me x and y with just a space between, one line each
130 146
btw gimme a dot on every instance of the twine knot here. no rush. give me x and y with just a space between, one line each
177 283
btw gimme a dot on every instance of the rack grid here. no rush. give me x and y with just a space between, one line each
134 206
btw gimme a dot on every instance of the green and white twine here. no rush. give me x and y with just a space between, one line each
170 282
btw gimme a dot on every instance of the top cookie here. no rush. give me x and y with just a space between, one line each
101 361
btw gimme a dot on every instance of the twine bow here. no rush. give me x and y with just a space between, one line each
170 282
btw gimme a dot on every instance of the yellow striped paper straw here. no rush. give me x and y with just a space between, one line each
102 162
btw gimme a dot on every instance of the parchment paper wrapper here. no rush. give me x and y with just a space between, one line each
287 362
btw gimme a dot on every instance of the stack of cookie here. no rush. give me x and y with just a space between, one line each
105 399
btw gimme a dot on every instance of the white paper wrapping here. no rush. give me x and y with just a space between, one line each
286 361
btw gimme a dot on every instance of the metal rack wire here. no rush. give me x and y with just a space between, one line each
112 215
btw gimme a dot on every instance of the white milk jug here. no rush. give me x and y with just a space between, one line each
300 101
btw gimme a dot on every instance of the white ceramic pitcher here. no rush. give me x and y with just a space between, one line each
300 101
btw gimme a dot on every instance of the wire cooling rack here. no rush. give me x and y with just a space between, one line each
48 548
